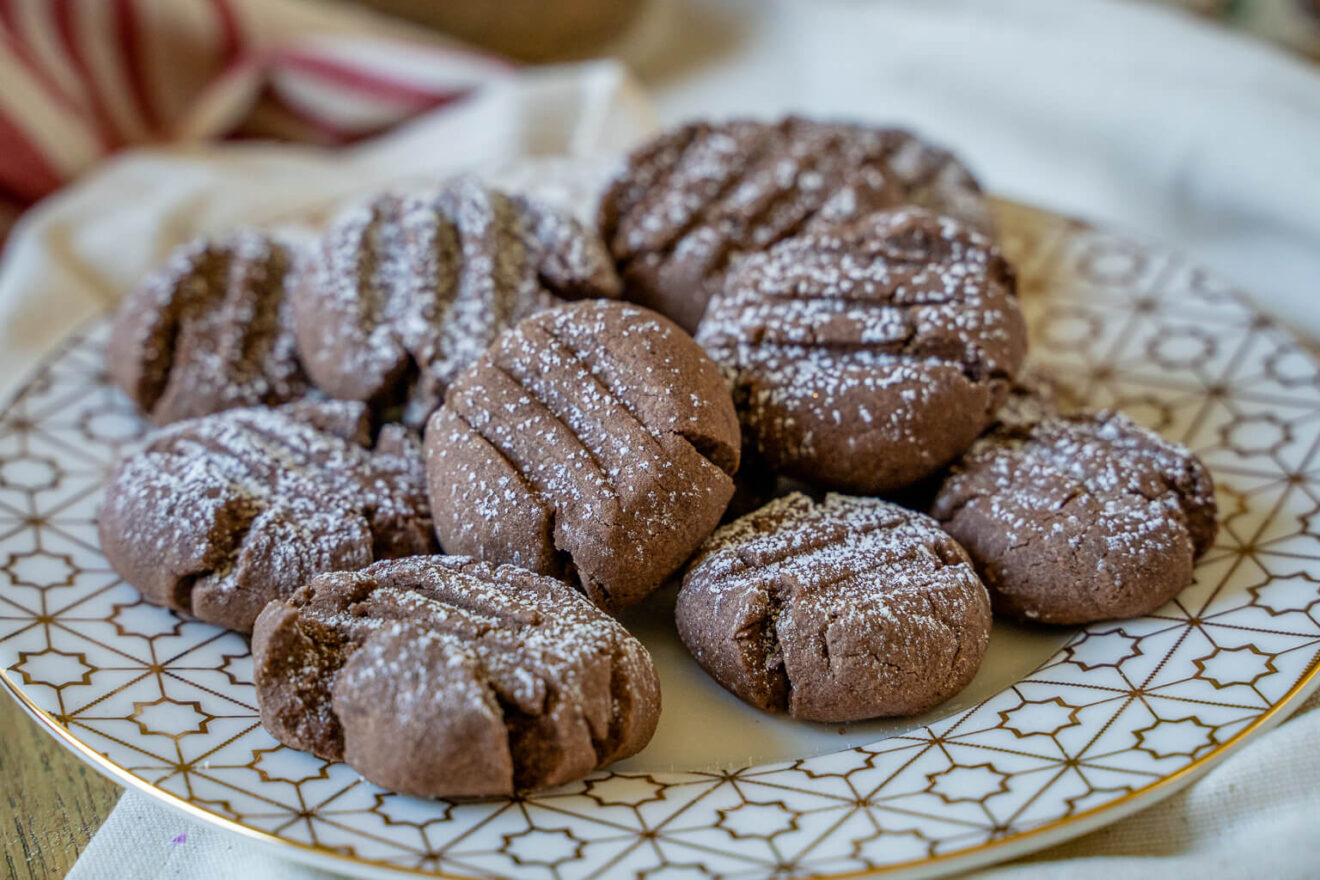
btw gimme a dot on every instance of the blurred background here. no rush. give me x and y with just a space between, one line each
1189 120
543 30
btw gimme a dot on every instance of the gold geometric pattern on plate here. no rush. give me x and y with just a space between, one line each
1123 708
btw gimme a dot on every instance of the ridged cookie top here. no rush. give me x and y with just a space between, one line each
219 515
444 676
859 343
1137 478
209 330
593 442
406 291
1082 517
693 200
844 609
836 545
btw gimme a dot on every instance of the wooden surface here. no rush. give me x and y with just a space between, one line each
52 802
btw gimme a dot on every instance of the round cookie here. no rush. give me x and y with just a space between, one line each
210 330
835 611
219 515
406 291
1079 518
694 199
868 357
441 676
593 442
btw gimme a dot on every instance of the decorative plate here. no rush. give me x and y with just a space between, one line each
1062 731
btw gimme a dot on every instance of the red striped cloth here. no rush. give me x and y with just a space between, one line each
80 79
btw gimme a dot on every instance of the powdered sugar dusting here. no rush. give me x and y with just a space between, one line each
856 549
573 688
608 418
692 202
863 327
220 514
210 330
789 592
1024 478
409 289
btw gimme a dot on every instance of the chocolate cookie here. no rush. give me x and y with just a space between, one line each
868 357
442 676
848 609
693 200
219 515
1079 518
210 330
593 442
405 292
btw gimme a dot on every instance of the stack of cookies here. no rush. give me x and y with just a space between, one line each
786 369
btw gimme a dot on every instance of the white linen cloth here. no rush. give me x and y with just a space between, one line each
1131 115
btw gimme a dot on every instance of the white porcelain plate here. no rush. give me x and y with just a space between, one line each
1062 731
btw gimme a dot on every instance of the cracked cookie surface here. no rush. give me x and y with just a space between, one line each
404 292
692 201
219 515
846 609
593 442
210 330
866 358
442 676
1079 518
